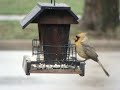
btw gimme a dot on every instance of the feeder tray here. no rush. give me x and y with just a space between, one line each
28 68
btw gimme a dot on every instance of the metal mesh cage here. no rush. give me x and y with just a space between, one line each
68 58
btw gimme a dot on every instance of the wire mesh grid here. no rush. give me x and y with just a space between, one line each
65 59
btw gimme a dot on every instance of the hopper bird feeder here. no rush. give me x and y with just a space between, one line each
52 52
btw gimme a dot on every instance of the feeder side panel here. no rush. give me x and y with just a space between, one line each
53 37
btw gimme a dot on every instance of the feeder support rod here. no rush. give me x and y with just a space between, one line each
54 2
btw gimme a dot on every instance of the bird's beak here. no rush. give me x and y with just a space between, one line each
75 38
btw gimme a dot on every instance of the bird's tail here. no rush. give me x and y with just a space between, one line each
103 68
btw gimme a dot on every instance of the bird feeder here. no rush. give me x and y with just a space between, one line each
53 47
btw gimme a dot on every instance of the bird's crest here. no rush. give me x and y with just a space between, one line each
81 34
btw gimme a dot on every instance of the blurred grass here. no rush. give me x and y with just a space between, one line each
10 30
24 6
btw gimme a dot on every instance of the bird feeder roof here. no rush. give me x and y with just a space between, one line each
44 10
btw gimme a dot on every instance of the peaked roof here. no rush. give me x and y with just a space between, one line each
40 8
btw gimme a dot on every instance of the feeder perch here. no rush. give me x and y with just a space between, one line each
52 52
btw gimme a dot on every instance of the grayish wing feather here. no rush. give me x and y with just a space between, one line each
89 51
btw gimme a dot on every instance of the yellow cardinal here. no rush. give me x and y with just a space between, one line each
85 50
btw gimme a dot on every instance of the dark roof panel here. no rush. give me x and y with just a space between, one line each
33 14
40 7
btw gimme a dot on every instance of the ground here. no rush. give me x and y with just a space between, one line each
12 76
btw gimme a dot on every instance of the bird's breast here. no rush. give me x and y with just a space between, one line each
81 52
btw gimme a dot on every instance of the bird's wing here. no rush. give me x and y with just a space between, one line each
89 51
